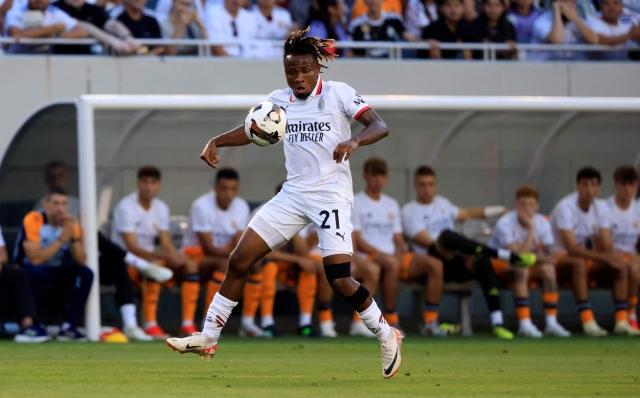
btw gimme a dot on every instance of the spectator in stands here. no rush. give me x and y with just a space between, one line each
229 21
625 230
16 299
39 19
141 22
418 14
96 22
325 22
524 230
613 28
138 220
522 15
561 25
50 249
56 175
360 7
5 6
579 221
274 23
299 10
378 25
183 22
449 28
492 26
163 9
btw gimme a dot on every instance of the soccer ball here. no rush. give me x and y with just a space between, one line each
266 124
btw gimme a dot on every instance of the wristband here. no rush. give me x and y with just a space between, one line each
491 211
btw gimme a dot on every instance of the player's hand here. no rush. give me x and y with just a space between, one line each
615 260
344 150
68 228
527 222
209 154
569 12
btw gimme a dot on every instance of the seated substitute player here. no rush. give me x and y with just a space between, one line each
377 234
138 220
524 230
428 223
318 190
49 247
625 230
578 218
216 221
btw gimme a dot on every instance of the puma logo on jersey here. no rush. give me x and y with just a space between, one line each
342 236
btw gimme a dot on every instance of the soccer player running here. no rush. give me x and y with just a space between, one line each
318 190
625 230
428 223
577 219
524 230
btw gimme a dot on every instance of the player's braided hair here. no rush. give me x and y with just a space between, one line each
299 44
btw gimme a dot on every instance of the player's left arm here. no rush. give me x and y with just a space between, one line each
480 212
398 242
375 129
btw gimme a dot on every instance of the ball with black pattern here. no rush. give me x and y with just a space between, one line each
266 124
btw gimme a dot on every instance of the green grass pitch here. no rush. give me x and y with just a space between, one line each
345 367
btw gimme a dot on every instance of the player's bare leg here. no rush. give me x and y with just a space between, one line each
324 298
249 250
545 273
634 282
430 270
520 291
368 274
337 268
389 272
620 295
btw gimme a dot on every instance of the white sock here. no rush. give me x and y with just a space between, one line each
187 322
526 323
266 321
128 314
496 318
217 316
551 320
305 319
136 262
374 321
504 254
247 321
148 325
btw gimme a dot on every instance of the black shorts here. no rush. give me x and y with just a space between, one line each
454 269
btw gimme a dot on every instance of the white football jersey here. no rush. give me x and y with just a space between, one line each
377 220
625 226
568 216
305 233
315 127
438 216
509 230
276 28
129 216
206 216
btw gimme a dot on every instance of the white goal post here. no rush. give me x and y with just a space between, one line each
88 104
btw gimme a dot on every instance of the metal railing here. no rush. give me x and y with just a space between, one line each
395 49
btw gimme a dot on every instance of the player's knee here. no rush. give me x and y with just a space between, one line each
190 266
433 267
548 273
521 275
238 262
341 285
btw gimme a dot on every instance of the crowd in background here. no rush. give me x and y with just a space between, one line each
585 242
120 24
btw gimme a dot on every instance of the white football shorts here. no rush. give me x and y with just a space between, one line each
281 218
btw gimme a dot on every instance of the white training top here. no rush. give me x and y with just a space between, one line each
625 225
52 15
307 232
509 230
222 26
416 18
542 27
278 28
315 127
377 220
568 216
2 243
438 216
206 216
129 216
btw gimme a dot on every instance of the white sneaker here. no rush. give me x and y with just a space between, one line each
391 356
251 330
136 333
624 328
529 330
158 273
358 329
328 329
197 343
556 330
592 329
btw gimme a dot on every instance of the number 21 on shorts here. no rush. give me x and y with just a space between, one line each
326 216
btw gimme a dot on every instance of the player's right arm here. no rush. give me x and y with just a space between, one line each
32 249
569 242
131 242
206 242
235 137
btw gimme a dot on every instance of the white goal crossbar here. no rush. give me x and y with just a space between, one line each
88 104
